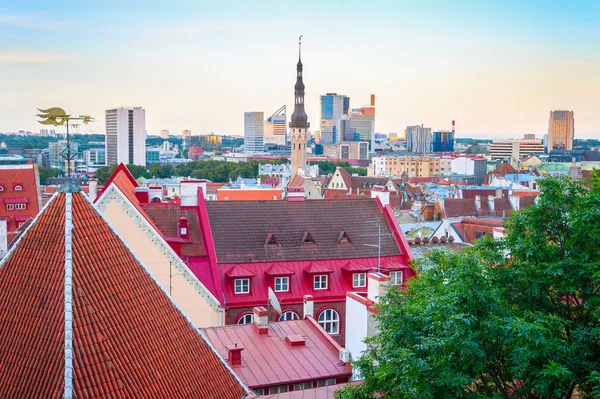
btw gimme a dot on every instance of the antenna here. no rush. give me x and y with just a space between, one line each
378 245
273 301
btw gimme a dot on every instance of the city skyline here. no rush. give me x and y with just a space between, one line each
199 69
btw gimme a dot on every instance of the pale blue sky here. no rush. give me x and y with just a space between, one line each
497 67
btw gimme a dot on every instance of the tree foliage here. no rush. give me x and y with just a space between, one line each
481 324
46 173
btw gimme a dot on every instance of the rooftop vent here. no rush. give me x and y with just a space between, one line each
295 340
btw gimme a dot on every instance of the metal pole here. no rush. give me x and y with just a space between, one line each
170 276
68 152
379 248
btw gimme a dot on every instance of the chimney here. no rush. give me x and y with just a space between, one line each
155 192
309 305
382 193
234 354
93 189
498 193
142 194
491 203
189 191
515 202
182 228
376 285
372 100
295 193
295 340
478 202
3 237
261 320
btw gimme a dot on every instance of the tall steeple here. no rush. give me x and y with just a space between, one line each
299 124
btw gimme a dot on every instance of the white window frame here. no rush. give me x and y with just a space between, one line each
246 319
329 319
305 385
239 288
359 280
18 187
10 207
289 315
284 284
20 206
396 277
320 282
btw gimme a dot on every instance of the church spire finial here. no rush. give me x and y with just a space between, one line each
300 48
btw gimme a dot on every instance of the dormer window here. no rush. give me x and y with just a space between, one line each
1 188
307 238
271 240
18 187
241 286
343 238
320 282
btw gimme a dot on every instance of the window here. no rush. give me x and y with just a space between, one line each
359 280
246 319
330 321
320 282
396 278
306 385
18 187
278 389
324 383
183 231
1 188
259 391
21 206
289 315
282 284
242 285
10 207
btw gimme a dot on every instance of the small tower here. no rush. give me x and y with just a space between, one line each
299 125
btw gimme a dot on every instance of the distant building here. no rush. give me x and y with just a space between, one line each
470 166
333 106
194 153
253 132
515 150
347 150
443 141
561 130
126 136
164 134
58 151
275 128
186 134
208 142
248 190
418 139
361 126
152 155
94 158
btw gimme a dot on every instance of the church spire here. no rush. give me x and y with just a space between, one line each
299 117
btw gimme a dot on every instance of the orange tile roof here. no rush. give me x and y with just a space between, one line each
128 337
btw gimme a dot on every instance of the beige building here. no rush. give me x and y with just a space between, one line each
413 166
561 130
515 150
347 150
119 205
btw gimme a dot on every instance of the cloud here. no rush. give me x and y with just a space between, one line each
29 21
32 57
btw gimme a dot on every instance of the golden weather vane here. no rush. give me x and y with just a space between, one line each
58 117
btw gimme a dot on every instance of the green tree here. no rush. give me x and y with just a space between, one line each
45 173
480 324
103 173
138 171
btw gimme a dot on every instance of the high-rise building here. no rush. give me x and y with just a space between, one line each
254 132
299 125
58 152
561 130
443 141
126 136
333 106
186 134
418 139
208 142
515 150
275 127
164 134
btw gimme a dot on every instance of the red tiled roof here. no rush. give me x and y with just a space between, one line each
15 200
467 207
240 228
128 338
267 359
296 181
27 177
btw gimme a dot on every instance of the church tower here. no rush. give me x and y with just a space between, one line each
299 135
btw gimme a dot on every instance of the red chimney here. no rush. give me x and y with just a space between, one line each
182 228
372 100
234 354
142 194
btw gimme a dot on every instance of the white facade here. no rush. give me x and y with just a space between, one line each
254 132
463 166
126 136
418 139
515 150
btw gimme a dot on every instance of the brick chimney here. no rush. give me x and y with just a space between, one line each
261 320
376 284
93 189
234 354
309 305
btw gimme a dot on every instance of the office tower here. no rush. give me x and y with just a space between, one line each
529 136
275 127
418 139
515 150
253 132
299 125
361 125
333 106
126 136
164 134
561 130
443 141
186 134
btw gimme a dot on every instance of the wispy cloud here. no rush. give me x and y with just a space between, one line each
32 57
29 21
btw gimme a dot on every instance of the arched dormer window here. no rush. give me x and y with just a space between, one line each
18 187
1 188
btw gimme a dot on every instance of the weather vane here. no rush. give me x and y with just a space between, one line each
58 117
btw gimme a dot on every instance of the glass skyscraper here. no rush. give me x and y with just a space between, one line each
443 141
333 106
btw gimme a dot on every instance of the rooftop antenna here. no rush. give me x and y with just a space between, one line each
378 245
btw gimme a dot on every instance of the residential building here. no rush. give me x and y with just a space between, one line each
470 166
248 190
186 134
58 152
515 150
561 130
275 128
280 171
126 136
413 166
253 132
311 187
21 197
299 124
362 124
164 134
333 106
418 139
73 281
208 142
194 153
288 356
347 150
94 158
443 141
152 155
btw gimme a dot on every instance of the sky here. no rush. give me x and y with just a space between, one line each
496 67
